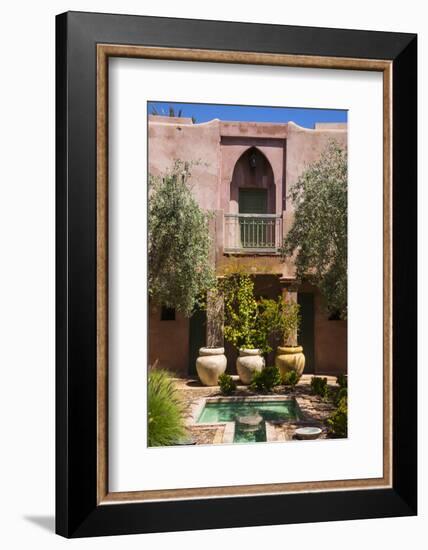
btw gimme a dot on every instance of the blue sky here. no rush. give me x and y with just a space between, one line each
204 112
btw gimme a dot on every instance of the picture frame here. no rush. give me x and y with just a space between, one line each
84 44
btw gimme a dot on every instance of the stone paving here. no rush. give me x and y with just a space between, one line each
206 435
314 409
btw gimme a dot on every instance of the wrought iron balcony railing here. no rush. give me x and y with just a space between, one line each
252 233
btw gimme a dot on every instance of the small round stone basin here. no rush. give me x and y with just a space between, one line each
249 423
308 433
186 441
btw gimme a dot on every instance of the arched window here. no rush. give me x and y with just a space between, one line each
252 189
253 201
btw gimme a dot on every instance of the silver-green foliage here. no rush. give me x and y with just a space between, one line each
180 272
319 232
165 410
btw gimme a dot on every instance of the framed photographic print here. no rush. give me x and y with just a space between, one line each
236 274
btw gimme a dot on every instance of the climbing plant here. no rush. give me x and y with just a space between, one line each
180 271
240 310
280 319
251 323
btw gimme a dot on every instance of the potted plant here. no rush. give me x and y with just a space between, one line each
212 362
249 362
181 270
289 356
241 324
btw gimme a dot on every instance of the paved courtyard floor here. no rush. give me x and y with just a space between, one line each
314 409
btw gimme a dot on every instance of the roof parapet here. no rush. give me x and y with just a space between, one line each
165 119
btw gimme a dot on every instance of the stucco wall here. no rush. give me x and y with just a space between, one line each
168 341
188 142
331 344
304 147
219 145
330 340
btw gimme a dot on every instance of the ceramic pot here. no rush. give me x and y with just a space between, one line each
290 358
210 364
249 362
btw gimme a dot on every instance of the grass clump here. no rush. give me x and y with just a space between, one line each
165 410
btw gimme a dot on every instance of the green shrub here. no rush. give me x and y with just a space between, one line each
290 378
165 410
342 381
343 392
227 384
266 379
338 421
319 386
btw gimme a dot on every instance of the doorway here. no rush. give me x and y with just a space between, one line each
197 337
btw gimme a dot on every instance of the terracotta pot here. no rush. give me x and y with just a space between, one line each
249 362
210 364
290 358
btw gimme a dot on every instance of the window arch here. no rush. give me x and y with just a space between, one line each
252 189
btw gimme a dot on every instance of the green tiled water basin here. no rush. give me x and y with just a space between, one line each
271 411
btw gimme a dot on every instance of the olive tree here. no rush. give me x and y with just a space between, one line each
318 236
180 272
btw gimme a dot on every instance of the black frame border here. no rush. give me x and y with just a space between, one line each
77 512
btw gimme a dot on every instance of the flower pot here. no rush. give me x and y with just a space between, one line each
210 364
249 362
290 358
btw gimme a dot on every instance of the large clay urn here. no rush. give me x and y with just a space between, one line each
210 364
249 362
290 358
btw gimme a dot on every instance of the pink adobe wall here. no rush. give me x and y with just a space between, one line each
331 342
305 146
189 142
331 125
330 338
168 341
219 145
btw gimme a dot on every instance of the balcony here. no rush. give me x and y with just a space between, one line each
252 233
